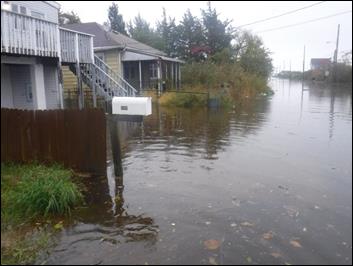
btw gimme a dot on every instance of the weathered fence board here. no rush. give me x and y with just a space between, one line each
74 138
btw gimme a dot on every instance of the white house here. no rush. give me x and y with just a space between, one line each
33 47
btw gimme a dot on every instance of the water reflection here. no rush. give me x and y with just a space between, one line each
195 132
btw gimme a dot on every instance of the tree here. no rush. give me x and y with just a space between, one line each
141 31
115 20
167 29
218 34
68 18
191 41
252 55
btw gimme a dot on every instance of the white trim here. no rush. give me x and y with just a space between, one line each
74 31
104 48
77 54
38 87
140 75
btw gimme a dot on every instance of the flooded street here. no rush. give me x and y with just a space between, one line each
270 183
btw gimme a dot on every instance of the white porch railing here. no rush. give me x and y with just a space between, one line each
25 35
21 34
68 46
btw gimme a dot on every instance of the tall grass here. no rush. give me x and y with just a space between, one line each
29 193
227 81
33 190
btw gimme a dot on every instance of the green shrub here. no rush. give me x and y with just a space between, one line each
227 80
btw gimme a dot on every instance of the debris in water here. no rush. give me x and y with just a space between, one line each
283 188
207 223
212 261
59 225
267 236
276 255
173 224
295 244
249 259
233 224
247 224
211 244
304 229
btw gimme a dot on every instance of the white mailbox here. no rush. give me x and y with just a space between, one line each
132 105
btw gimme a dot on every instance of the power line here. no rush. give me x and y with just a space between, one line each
289 12
305 22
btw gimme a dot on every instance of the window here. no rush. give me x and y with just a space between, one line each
36 14
14 8
153 71
129 71
23 10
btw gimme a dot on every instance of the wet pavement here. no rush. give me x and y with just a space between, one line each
270 183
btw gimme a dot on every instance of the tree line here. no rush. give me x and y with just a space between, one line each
207 38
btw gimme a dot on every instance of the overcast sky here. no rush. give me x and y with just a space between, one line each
286 44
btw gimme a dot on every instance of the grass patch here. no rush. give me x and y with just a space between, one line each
33 193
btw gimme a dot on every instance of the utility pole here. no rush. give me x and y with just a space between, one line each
335 56
303 68
290 69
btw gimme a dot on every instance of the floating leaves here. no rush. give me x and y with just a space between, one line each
59 225
212 244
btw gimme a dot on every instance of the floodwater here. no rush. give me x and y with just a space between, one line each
270 183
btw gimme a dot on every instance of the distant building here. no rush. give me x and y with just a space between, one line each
320 63
320 68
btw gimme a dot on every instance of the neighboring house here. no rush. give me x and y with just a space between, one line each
33 48
140 65
320 64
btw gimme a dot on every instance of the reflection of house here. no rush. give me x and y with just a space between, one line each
33 47
320 63
140 65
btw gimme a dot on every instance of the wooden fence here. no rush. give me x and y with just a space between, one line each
74 138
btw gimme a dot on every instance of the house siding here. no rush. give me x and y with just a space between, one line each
112 59
50 12
70 80
6 87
